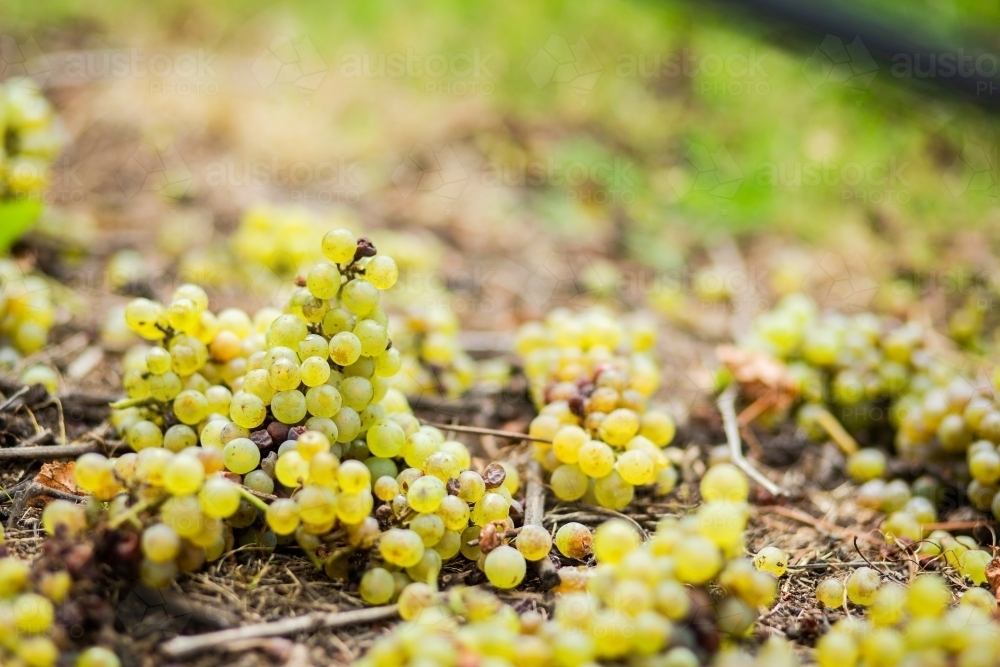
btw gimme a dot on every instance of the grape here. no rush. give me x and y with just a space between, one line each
33 614
725 482
430 528
354 508
534 542
291 469
339 246
697 560
866 464
491 507
98 657
862 585
613 492
160 543
382 272
619 427
658 427
505 567
63 515
247 411
144 435
386 488
771 559
835 649
241 455
220 498
636 467
471 486
323 401
388 363
574 540
568 482
314 372
981 599
356 392
142 317
289 407
385 438
454 512
377 586
373 337
345 348
401 547
830 592
596 459
259 481
353 477
359 296
426 493
348 424
283 516
283 374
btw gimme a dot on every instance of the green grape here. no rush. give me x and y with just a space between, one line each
401 547
356 392
567 442
568 482
491 507
382 272
337 321
317 505
725 482
37 652
160 543
283 374
247 410
442 465
613 492
471 486
596 459
574 540
142 316
979 598
184 515
286 331
534 542
373 337
380 467
354 508
417 447
291 469
348 424
257 383
289 407
314 372
377 586
430 528
450 545
282 516
973 563
619 427
150 465
256 480
386 488
388 363
613 540
866 464
984 465
63 515
220 498
835 649
505 567
697 560
345 348
33 614
97 657
323 401
158 360
636 467
323 281
339 246
658 427
830 592
359 296
241 455
144 435
219 399
771 560
354 477
385 438
183 475
862 585
426 493
454 512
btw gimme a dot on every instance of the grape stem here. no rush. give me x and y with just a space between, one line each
840 437
252 499
180 647
534 511
486 431
727 406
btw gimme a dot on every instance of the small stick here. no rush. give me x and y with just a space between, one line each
33 490
840 437
819 524
13 397
486 431
727 406
180 647
48 452
534 510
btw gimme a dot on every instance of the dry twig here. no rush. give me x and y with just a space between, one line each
727 406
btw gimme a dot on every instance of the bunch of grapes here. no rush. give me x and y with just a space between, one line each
32 139
591 378
27 312
31 631
915 624
646 603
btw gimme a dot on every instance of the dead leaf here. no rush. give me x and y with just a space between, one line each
760 377
993 576
58 476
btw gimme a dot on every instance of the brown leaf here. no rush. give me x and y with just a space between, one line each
57 475
759 376
993 576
